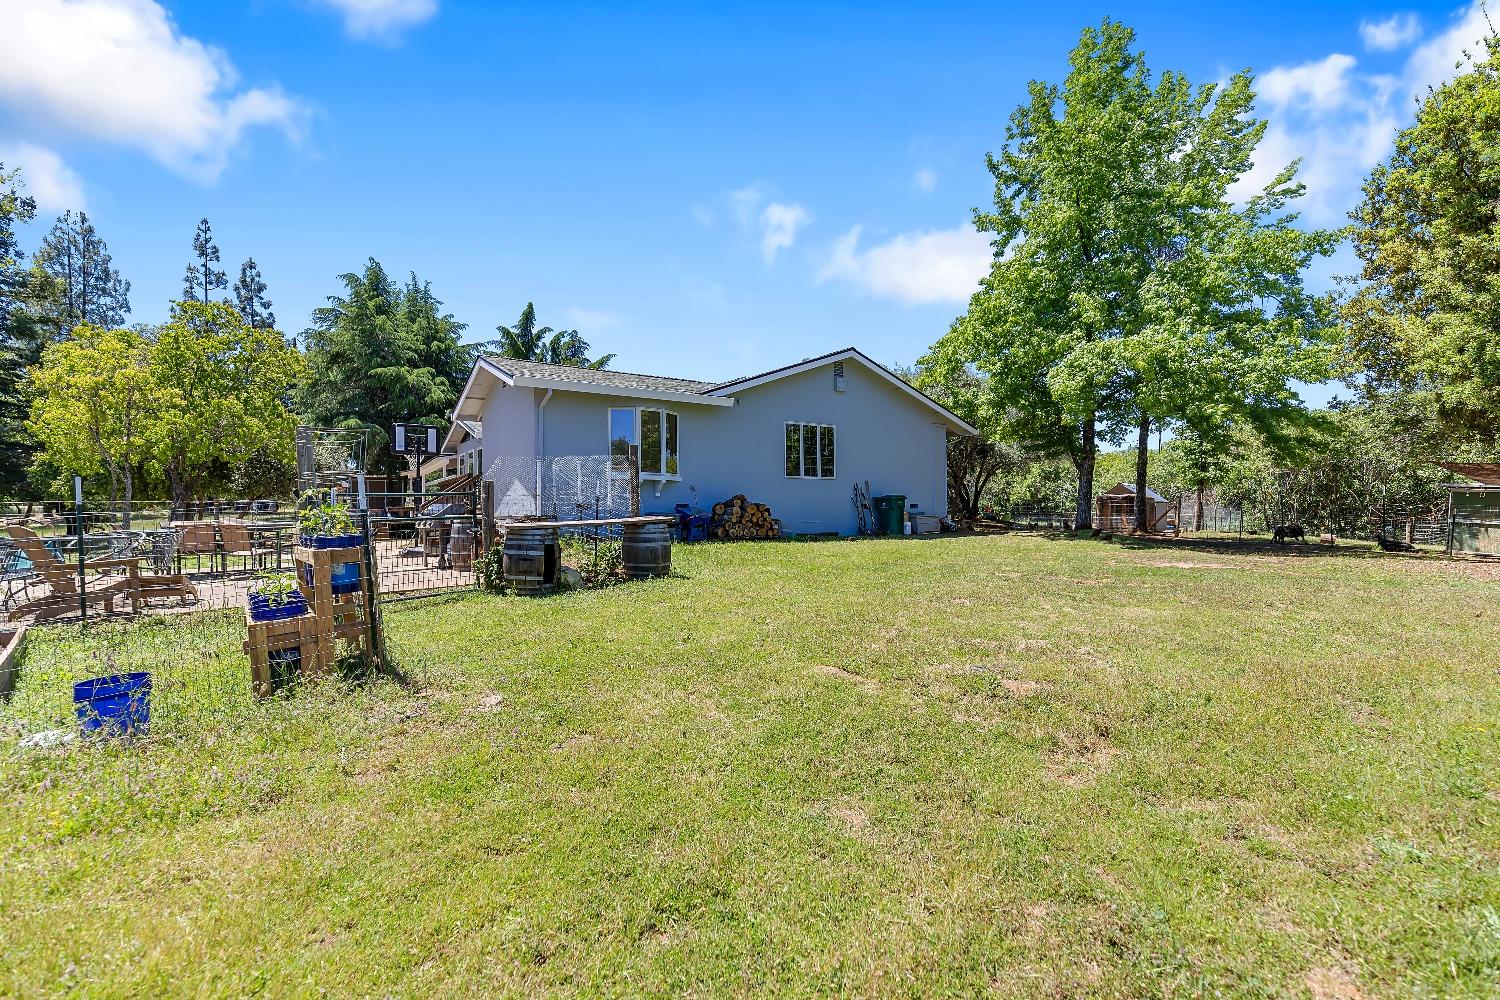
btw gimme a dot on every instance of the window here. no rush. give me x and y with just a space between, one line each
809 451
647 435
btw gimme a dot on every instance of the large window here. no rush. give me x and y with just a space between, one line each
646 435
809 451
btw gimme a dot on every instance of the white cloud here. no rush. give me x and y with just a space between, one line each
779 224
1320 85
774 223
48 179
1341 121
925 179
119 71
382 20
1395 32
942 265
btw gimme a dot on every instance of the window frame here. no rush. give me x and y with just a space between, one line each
651 477
818 429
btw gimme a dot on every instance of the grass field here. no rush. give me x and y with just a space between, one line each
1020 766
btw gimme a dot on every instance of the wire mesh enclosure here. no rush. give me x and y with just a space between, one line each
564 487
329 457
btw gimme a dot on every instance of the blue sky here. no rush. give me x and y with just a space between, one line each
706 190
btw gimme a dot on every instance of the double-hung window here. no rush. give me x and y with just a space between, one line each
645 435
809 451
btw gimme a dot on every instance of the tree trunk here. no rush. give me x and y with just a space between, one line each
1144 509
129 491
1198 517
1084 463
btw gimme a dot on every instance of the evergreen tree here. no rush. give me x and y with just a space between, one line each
74 281
381 354
16 354
203 278
250 297
528 342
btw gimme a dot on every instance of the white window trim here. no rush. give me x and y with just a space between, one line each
809 423
648 477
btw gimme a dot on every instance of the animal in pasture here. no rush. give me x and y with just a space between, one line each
1285 532
1393 544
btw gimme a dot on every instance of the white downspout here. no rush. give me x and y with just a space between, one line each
541 444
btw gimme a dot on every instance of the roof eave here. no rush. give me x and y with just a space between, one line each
631 392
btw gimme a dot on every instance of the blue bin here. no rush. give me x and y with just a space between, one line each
262 610
117 705
345 576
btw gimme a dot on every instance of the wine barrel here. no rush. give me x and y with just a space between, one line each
529 559
646 550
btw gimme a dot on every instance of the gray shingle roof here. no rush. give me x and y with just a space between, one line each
599 376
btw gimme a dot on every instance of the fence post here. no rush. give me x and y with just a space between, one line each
487 498
83 601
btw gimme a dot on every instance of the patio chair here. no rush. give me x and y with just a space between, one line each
199 538
61 580
238 543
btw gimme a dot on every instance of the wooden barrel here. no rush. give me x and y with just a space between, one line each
529 559
646 550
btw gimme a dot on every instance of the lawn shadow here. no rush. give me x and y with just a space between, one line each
1263 547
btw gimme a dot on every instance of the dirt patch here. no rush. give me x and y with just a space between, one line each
859 680
490 703
1184 564
1082 765
1023 689
1032 645
962 602
575 742
1328 982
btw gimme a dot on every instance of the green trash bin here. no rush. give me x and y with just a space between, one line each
888 511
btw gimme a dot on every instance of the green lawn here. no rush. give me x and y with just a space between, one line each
1011 765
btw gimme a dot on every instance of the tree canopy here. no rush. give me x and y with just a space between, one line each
528 342
1127 287
380 354
1424 315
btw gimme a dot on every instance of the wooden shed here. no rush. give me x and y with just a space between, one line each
1474 508
1114 510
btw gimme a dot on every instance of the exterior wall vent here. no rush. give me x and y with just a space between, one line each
839 382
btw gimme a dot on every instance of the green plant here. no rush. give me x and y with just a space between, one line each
603 566
324 517
491 570
276 588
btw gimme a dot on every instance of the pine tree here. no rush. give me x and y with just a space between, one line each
202 278
74 281
528 342
16 355
250 297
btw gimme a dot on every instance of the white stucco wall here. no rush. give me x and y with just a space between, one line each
883 435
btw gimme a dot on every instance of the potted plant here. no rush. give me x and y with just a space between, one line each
276 595
327 524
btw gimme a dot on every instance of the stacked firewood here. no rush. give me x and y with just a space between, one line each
739 517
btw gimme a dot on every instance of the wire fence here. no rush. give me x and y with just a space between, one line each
174 616
565 488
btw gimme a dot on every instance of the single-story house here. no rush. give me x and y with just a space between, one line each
796 438
1474 508
1115 509
459 455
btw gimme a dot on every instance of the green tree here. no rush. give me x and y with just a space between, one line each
16 341
250 297
94 401
219 389
203 278
380 354
1423 316
1126 288
528 342
75 281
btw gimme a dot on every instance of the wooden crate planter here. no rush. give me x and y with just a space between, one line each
338 617
277 636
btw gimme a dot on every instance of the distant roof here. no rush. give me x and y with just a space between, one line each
1486 473
596 376
1128 490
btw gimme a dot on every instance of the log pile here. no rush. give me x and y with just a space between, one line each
739 517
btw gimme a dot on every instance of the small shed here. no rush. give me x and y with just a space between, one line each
1114 509
1474 508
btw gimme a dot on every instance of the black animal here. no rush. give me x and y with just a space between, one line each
1284 532
1393 544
